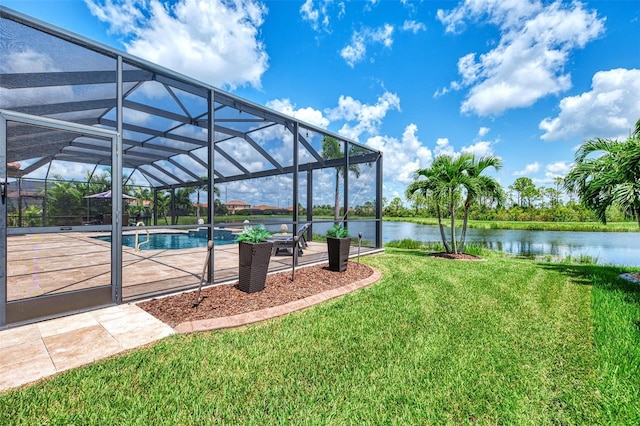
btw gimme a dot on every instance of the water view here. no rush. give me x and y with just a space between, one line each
615 248
618 248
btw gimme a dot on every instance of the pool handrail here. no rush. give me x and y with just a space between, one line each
137 245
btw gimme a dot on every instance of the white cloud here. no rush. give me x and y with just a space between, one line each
443 147
28 61
529 169
214 41
309 13
319 17
529 60
383 35
483 131
368 117
401 158
479 149
559 168
356 50
552 171
609 110
413 26
308 115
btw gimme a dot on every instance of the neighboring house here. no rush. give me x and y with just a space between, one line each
235 205
263 207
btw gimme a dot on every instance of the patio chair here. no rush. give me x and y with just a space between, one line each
286 243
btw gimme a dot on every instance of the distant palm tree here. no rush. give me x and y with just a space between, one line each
607 172
203 187
63 201
142 195
331 150
183 201
163 204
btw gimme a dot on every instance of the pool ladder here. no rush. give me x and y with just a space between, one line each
136 244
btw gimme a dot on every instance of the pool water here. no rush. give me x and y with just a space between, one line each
165 241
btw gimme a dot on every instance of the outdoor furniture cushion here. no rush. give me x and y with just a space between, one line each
284 243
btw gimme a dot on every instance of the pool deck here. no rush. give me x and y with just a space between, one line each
52 263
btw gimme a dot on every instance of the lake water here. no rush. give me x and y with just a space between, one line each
619 248
615 248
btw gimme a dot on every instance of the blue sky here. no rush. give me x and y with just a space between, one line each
524 80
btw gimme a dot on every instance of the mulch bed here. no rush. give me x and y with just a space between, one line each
227 300
456 256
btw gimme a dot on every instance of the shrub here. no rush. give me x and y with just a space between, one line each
254 234
337 231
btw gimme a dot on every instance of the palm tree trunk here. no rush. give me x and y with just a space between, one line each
336 205
442 235
453 223
467 205
198 205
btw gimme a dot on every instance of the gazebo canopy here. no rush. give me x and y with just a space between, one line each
107 195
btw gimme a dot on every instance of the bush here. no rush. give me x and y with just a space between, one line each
406 243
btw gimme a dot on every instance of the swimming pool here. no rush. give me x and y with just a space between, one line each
165 241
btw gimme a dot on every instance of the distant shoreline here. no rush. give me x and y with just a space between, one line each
527 226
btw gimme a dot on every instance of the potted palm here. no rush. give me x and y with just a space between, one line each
253 260
338 245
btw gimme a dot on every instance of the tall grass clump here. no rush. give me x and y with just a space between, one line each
406 243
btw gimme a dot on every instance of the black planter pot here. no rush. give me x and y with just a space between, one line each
338 249
253 265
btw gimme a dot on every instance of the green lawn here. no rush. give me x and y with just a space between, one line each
506 341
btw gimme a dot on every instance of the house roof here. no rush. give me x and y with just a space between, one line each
265 207
236 203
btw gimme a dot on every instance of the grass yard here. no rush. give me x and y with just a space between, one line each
506 341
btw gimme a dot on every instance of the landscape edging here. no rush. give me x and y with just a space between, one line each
274 311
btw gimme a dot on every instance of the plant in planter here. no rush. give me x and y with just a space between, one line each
253 260
338 245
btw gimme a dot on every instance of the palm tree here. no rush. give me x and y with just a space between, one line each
445 180
426 183
607 172
331 150
183 201
163 203
449 179
203 187
480 186
64 201
141 194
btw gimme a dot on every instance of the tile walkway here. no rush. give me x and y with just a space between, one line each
35 351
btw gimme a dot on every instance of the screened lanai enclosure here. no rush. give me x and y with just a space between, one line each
115 173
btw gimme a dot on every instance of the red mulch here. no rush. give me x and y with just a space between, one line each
456 256
227 300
